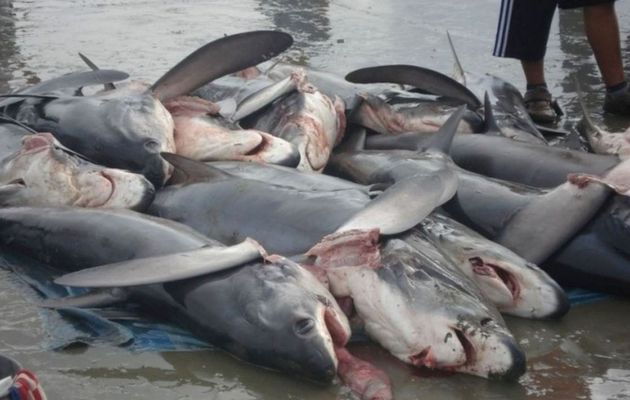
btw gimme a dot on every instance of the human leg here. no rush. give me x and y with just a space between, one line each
522 33
534 72
602 31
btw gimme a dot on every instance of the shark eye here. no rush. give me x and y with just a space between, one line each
476 261
152 145
304 326
18 181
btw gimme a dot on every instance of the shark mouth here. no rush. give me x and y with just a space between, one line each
469 349
336 329
96 189
426 358
490 270
112 183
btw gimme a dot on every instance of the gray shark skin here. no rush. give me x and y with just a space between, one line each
227 207
273 314
419 307
422 78
505 111
530 293
115 129
309 120
526 163
534 230
374 166
130 128
45 173
595 257
332 85
287 176
11 136
278 215
231 209
393 113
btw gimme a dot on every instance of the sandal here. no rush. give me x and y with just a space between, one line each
539 105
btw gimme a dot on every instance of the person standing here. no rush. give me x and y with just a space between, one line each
523 31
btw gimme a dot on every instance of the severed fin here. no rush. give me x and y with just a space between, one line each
72 80
458 74
353 140
490 122
94 298
218 58
405 203
443 139
168 268
191 171
262 98
421 78
94 67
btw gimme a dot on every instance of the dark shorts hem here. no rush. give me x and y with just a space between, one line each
568 4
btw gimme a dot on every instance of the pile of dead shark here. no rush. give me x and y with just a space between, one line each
274 210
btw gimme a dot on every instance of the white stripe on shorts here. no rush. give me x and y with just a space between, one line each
504 27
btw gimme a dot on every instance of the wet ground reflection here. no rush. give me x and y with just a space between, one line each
8 47
307 21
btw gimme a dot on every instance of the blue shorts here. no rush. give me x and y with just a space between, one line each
524 25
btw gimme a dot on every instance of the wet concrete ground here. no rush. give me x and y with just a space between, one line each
584 356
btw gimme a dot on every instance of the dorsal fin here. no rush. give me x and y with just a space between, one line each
94 67
191 171
443 139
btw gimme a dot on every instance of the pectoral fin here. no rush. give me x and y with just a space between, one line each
161 269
